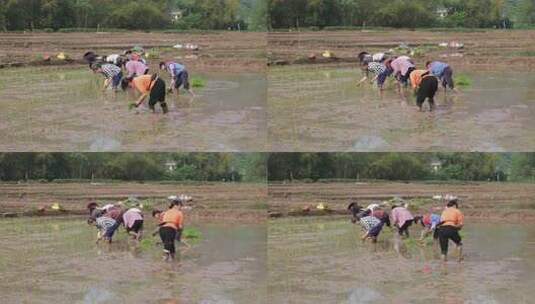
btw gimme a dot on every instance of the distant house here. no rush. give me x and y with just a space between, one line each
442 12
436 165
170 165
176 15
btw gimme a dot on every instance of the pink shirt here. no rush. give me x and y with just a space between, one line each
130 217
400 215
401 65
135 67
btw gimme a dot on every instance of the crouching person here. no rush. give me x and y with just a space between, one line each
103 224
133 223
372 226
111 72
427 90
151 86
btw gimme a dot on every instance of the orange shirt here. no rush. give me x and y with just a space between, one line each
143 83
416 77
452 217
173 218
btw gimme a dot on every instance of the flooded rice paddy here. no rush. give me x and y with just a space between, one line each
55 260
318 260
64 109
321 109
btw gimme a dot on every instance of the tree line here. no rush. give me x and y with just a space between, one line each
401 13
133 166
132 14
402 166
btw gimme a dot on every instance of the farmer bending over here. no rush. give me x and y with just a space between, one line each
113 74
452 220
133 223
179 75
379 70
401 68
148 85
444 72
402 219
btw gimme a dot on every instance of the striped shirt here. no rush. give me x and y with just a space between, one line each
104 223
376 68
368 222
110 70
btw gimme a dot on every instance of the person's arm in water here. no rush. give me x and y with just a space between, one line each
374 79
141 98
363 78
365 236
107 82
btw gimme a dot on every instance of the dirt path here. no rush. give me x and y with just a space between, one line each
217 200
219 51
513 201
492 49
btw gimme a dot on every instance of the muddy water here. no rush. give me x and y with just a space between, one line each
56 261
64 109
321 109
317 260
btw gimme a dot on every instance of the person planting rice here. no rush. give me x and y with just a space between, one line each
135 68
103 224
402 67
179 76
402 219
171 221
416 77
133 223
451 222
148 85
115 213
113 74
429 223
427 89
372 227
444 72
380 71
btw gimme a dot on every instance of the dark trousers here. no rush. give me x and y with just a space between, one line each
157 94
405 228
428 89
446 233
168 234
447 78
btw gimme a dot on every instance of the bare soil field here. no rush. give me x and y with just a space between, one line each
218 51
217 200
483 50
511 201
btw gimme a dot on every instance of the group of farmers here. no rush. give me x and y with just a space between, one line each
444 226
170 223
425 82
137 76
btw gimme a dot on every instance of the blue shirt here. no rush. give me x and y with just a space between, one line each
175 68
435 220
437 68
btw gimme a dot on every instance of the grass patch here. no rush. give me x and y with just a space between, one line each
463 80
192 233
198 82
